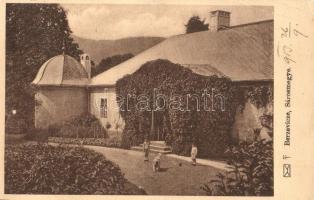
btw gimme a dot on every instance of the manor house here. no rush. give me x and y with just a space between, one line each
244 53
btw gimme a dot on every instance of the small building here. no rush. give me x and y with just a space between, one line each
244 53
61 91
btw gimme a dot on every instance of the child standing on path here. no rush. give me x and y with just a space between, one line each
146 149
193 154
156 163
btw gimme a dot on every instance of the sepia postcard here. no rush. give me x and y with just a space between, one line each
157 99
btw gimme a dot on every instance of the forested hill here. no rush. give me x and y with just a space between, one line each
99 49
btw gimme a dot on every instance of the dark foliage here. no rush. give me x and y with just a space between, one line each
208 129
110 62
45 169
34 33
250 173
84 126
38 135
105 142
108 125
16 124
260 96
195 24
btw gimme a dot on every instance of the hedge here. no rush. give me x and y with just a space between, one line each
210 130
105 142
15 124
83 126
46 169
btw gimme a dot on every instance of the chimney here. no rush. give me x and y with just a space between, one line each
219 20
86 62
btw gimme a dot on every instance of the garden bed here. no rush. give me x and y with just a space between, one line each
104 142
46 169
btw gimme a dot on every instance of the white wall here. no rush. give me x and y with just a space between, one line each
58 104
113 116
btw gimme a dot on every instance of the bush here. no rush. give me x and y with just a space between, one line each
105 142
84 126
45 169
15 125
126 141
39 135
130 137
250 174
108 125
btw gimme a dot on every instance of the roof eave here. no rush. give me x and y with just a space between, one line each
102 85
235 81
62 85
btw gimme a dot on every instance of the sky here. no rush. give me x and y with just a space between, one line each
103 21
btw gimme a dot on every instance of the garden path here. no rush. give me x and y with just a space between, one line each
173 179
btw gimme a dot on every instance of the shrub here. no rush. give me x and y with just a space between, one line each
126 142
39 135
105 142
84 126
15 125
45 169
250 174
260 96
129 136
108 125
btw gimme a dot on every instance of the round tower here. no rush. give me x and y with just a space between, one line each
60 91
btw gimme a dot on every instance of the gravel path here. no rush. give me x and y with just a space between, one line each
172 180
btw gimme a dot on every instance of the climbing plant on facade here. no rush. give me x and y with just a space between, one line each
191 108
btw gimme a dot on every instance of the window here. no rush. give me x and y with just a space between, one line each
87 58
103 108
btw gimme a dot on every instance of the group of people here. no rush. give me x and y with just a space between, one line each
157 159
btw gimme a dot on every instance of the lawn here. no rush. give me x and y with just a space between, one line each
172 180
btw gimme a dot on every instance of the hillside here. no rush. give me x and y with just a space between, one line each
99 49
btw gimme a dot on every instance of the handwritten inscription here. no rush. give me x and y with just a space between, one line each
286 51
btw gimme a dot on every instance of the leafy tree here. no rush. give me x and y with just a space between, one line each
34 33
195 24
110 62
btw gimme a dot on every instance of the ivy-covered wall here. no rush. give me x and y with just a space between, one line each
207 123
